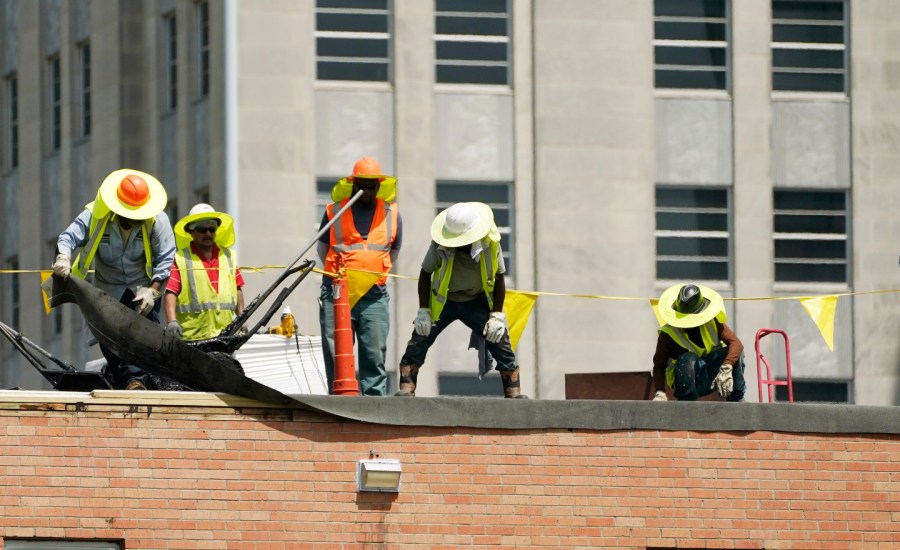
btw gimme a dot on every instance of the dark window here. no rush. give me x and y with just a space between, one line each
472 42
809 51
806 391
12 90
84 57
203 49
810 231
499 196
55 89
690 44
170 43
15 296
353 40
693 237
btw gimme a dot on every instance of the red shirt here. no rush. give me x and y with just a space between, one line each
212 271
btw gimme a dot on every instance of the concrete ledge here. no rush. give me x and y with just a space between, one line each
470 412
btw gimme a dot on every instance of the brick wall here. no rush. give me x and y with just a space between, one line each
195 478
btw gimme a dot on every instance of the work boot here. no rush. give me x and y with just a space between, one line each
135 385
510 381
408 376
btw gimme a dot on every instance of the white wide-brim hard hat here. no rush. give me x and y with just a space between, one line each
225 236
464 223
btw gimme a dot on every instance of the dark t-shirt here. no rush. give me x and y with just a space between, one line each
362 219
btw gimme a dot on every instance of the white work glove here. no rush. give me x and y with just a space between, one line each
724 383
174 328
660 396
422 323
62 266
147 296
495 328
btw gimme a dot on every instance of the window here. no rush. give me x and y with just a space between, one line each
820 391
810 231
323 198
170 32
471 41
84 61
12 94
172 211
203 49
690 44
499 196
15 299
693 237
809 45
353 40
55 88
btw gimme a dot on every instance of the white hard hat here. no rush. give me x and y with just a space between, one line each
201 208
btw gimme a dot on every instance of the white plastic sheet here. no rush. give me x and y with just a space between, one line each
290 365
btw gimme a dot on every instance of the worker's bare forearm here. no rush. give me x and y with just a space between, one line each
499 295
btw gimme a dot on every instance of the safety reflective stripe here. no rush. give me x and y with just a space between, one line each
336 227
148 254
195 306
389 227
379 247
97 226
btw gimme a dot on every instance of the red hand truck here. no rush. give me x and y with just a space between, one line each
761 359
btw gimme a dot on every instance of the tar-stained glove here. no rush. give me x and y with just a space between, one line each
724 382
147 296
422 323
495 328
62 266
660 396
174 328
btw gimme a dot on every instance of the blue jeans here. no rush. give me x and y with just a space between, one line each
119 372
474 314
694 375
370 322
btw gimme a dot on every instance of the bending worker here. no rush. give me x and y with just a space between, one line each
366 237
696 352
204 293
462 278
133 254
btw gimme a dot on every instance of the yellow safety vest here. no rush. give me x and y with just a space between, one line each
440 279
709 332
96 229
201 312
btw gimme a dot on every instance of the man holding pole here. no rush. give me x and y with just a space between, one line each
366 238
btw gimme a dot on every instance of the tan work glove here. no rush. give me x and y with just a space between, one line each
660 396
147 296
62 266
422 324
724 382
495 328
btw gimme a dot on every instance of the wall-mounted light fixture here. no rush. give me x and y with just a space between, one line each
378 474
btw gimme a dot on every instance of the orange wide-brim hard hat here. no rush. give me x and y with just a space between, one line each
133 194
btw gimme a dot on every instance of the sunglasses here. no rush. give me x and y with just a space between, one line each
204 229
366 185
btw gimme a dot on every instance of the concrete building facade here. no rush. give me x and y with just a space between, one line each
625 146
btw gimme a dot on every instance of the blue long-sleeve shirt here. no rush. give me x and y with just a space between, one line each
119 262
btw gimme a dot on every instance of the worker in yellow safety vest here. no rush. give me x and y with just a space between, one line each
125 235
366 237
462 278
204 293
696 352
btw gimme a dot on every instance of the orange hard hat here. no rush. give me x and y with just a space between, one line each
367 167
133 190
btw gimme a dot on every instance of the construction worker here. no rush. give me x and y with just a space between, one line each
462 278
367 237
126 231
696 352
204 293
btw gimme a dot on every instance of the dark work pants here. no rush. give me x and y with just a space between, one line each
119 372
694 375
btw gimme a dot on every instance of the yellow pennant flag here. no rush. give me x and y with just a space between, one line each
654 304
518 306
821 309
358 283
46 286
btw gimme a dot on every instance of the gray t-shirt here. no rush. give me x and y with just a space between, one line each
465 281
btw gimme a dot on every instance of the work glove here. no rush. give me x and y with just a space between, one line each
174 328
724 382
660 396
62 266
147 296
422 323
243 331
495 328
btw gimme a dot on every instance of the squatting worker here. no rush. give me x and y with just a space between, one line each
696 352
366 237
204 293
462 278
125 235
